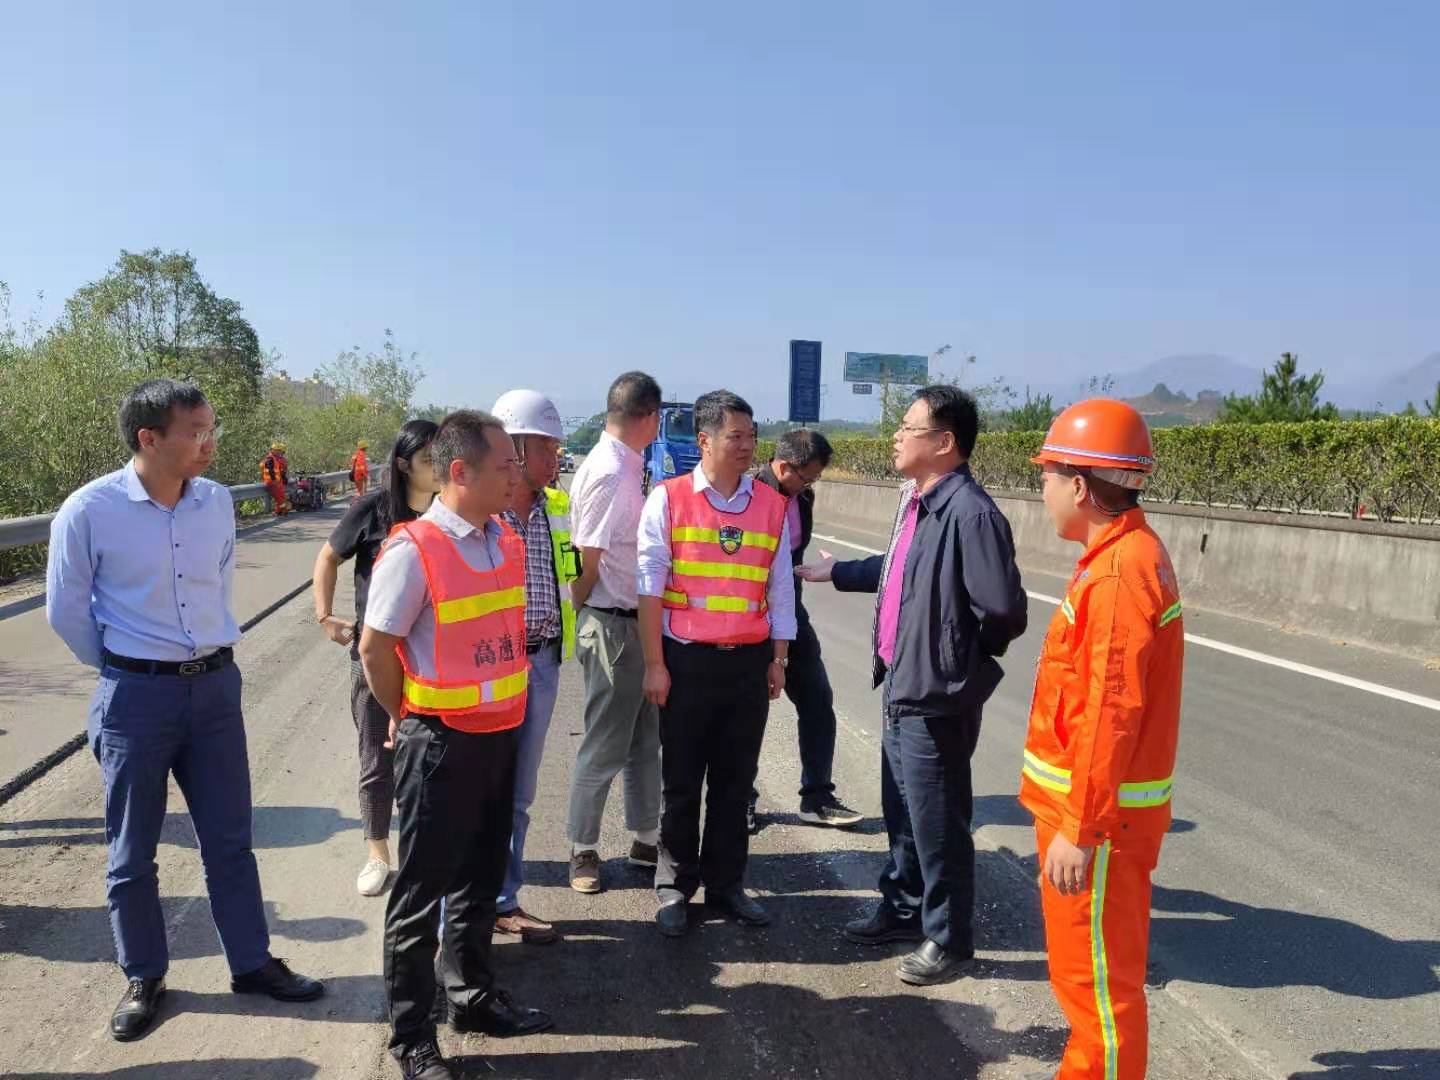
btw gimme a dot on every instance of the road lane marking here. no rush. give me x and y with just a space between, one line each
1235 650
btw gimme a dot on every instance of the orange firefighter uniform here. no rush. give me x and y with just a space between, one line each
1098 768
275 474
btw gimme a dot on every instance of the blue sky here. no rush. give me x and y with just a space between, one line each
550 193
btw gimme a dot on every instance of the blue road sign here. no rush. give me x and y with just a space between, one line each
804 382
887 367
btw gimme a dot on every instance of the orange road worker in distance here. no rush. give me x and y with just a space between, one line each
360 468
1100 752
275 474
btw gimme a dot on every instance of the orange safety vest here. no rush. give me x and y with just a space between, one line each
480 663
360 463
1105 719
720 564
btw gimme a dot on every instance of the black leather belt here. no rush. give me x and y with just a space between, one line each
539 646
214 662
618 612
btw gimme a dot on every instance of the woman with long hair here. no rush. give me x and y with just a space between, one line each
410 485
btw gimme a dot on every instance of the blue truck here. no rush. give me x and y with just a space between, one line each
674 450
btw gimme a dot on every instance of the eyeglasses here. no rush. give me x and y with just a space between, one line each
907 431
209 436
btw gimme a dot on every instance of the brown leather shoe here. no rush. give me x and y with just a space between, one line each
531 930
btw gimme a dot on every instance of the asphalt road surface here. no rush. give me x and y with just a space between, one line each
1295 904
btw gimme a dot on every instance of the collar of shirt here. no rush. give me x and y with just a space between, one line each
536 515
135 488
1127 522
454 524
934 499
702 483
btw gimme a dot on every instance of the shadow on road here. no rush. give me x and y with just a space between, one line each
1256 947
288 1068
1373 1064
82 934
274 827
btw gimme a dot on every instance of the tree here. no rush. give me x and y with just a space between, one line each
165 317
1285 395
1034 415
1432 406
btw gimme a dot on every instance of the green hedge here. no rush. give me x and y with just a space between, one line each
1390 467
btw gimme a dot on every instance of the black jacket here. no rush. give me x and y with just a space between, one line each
961 601
798 544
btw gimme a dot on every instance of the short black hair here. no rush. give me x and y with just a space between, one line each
462 436
151 405
710 410
953 410
632 396
802 446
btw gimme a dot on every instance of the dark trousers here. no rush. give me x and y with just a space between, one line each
711 729
454 793
807 685
377 762
926 795
142 728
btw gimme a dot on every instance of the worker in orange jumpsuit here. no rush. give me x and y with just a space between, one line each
275 475
1100 752
360 468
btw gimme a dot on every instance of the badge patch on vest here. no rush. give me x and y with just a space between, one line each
731 539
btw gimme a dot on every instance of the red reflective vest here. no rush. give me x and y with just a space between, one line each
720 564
481 670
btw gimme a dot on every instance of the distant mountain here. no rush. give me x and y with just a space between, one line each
1391 393
1163 407
1190 373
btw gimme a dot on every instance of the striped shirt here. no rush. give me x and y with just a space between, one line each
542 593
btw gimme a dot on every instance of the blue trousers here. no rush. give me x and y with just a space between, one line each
539 705
142 728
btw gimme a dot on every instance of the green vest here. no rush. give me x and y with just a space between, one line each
567 562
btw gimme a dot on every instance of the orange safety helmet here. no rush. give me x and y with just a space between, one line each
1107 437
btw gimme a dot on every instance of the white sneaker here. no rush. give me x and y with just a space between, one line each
371 881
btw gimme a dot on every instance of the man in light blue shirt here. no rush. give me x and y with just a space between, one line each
138 586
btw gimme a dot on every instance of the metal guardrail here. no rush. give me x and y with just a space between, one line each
35 529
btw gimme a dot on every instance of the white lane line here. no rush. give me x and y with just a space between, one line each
1235 650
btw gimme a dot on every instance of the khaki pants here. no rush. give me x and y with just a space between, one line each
622 729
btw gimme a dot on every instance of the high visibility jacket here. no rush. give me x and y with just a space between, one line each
481 670
567 562
1105 719
720 564
274 469
360 463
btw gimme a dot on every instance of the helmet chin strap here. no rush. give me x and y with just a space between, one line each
1108 513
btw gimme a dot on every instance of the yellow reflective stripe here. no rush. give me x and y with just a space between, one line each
676 597
1171 614
696 535
723 603
1046 775
1100 964
1140 793
721 570
441 697
505 688
465 608
1067 611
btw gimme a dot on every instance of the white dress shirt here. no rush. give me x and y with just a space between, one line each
605 503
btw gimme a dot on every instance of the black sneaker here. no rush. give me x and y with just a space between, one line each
884 926
832 813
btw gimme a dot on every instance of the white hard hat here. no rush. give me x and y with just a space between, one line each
528 412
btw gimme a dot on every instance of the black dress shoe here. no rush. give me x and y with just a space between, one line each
137 1009
496 1015
276 980
734 902
423 1062
930 964
884 926
673 918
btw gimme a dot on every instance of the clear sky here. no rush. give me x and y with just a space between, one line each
549 193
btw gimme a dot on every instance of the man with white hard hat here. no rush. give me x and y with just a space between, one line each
541 515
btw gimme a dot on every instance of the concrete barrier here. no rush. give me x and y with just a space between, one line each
1364 582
